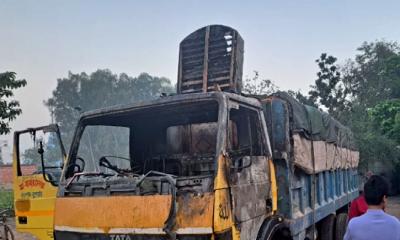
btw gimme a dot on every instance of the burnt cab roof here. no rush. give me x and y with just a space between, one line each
174 99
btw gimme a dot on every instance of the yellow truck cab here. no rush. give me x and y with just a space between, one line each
34 190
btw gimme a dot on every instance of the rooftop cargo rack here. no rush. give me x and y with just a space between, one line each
210 59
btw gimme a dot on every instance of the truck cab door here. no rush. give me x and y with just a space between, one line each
35 181
249 174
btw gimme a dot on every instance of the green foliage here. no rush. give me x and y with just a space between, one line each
9 108
374 148
31 156
6 199
373 79
374 75
82 92
329 91
52 152
372 144
386 115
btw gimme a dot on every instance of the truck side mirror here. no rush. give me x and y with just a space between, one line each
46 176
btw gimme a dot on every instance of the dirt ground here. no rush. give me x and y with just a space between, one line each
19 236
393 208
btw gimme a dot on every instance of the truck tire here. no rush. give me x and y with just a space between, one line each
341 225
327 227
271 229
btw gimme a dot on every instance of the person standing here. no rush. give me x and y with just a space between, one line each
375 223
358 206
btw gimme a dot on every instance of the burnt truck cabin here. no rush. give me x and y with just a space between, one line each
176 135
307 143
179 135
156 140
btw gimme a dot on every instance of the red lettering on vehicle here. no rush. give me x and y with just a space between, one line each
31 183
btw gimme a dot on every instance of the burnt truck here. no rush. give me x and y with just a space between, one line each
209 162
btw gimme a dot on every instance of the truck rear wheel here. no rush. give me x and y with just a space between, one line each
327 229
341 225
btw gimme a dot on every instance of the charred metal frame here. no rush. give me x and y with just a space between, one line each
211 58
166 101
221 97
49 128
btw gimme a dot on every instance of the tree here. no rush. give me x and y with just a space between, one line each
9 108
257 86
329 91
374 75
302 98
52 152
82 92
386 116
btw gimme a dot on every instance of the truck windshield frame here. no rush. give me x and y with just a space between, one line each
202 111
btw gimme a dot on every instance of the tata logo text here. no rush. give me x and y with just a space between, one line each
120 237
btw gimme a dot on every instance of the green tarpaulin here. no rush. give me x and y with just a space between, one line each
317 125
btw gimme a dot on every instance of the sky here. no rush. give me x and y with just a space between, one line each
43 40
